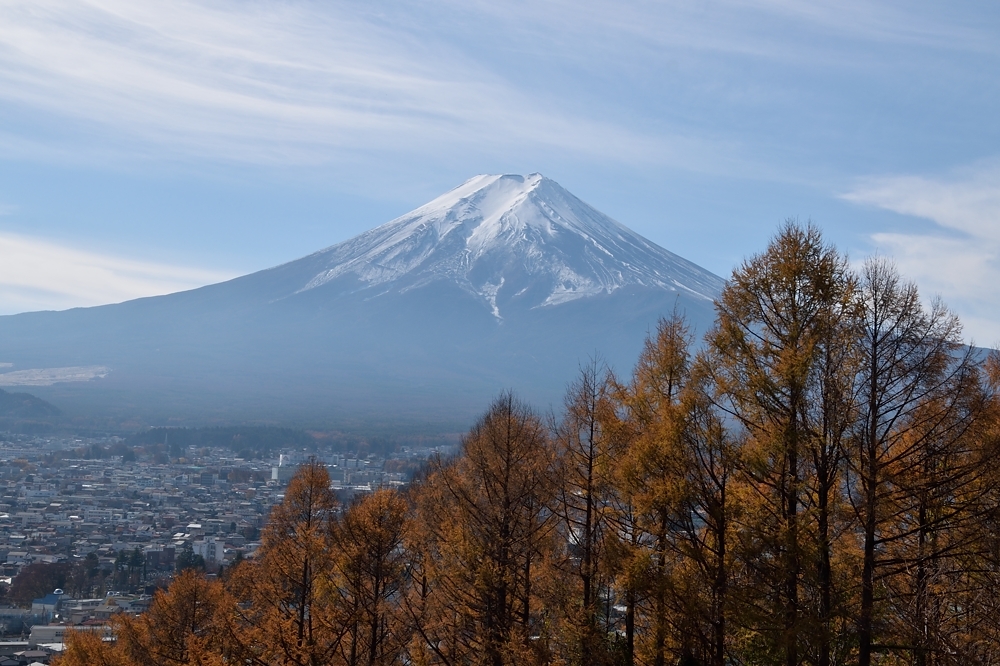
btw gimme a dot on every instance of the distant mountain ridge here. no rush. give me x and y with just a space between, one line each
503 282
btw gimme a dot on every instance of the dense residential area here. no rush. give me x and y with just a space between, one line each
85 538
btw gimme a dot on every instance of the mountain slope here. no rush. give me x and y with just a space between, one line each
505 281
501 237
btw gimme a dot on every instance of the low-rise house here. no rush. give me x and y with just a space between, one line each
18 557
48 604
56 633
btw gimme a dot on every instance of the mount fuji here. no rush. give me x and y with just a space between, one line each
503 282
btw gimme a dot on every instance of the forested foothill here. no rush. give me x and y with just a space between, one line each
814 484
25 413
249 442
263 442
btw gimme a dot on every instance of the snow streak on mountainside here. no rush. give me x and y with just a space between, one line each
511 241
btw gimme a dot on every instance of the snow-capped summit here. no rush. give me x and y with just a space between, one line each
510 240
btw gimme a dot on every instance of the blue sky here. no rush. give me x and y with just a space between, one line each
149 147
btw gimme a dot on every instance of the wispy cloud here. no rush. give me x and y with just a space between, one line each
919 23
275 83
303 83
786 30
41 275
960 258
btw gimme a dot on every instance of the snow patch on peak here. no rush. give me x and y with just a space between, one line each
493 228
489 194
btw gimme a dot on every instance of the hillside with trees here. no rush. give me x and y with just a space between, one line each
25 405
25 413
815 484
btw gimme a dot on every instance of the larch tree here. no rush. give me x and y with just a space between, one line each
371 568
290 609
626 548
181 628
773 318
676 474
484 526
652 472
935 508
914 402
975 625
709 507
818 485
830 415
584 453
87 648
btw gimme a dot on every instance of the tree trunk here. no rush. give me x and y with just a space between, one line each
792 563
721 589
825 575
660 658
630 602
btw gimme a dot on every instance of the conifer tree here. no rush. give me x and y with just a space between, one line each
181 628
371 568
483 525
708 510
290 609
87 648
652 473
818 485
585 452
773 319
676 474
915 390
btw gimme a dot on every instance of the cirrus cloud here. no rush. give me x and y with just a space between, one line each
278 83
40 275
958 258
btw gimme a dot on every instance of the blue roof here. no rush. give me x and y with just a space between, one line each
49 599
